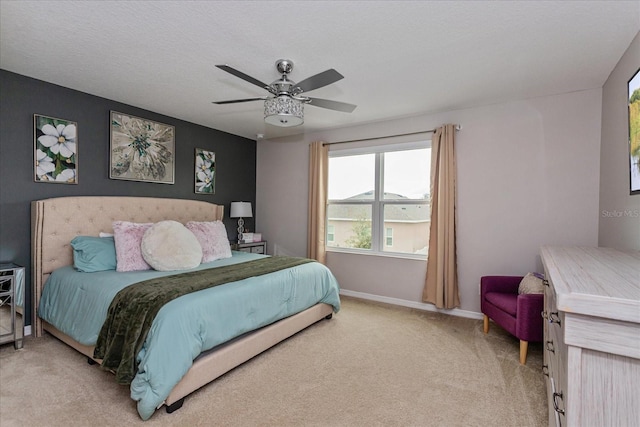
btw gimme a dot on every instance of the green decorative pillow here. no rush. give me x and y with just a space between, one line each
531 284
91 254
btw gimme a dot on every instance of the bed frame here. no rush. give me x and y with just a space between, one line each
55 222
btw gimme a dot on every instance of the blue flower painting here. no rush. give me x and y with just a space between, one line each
141 150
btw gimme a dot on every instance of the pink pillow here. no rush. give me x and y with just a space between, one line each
128 239
213 239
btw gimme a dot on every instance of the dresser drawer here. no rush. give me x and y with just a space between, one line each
257 249
556 405
251 247
11 304
555 354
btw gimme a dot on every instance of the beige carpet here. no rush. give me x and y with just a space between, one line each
371 365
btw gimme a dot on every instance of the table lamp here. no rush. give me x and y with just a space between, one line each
240 210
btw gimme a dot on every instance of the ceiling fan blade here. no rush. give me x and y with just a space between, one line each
243 76
332 105
235 101
320 80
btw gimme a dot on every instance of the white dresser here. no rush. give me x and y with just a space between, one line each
592 336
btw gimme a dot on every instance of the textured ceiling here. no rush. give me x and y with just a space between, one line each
399 58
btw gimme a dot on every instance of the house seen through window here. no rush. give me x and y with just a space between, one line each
378 199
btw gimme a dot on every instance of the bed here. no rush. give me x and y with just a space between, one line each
206 350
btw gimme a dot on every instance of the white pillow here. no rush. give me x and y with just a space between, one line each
168 246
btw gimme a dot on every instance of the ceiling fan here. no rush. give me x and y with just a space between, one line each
285 105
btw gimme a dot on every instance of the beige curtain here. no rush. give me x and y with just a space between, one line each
441 285
318 181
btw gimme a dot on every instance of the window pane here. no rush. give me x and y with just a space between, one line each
407 174
352 177
410 224
351 225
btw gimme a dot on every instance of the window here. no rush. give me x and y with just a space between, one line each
330 233
379 199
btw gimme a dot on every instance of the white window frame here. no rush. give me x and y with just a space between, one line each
378 202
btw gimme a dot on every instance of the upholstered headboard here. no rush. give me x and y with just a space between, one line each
55 222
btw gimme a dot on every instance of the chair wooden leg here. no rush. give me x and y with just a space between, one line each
486 324
524 345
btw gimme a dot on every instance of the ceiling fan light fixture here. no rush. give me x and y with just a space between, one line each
283 111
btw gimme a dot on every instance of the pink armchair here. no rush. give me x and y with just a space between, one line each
518 314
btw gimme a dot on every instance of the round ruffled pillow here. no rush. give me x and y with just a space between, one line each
169 245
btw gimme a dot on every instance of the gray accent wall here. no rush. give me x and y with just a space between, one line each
21 97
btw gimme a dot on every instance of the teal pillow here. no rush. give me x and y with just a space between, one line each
91 254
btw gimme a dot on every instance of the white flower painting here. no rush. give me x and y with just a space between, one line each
205 171
141 150
55 150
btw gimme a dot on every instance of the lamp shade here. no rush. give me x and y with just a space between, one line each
240 210
283 111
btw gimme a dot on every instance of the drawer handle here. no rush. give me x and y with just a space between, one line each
554 317
544 315
550 347
545 282
555 402
545 370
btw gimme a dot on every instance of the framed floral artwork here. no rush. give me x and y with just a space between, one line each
55 150
141 149
205 172
634 133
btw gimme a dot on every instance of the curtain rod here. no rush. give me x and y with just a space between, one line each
457 127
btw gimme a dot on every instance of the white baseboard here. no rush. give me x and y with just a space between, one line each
411 304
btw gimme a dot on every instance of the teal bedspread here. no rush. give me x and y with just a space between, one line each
135 307
77 304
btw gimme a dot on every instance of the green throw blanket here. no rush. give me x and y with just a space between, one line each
133 309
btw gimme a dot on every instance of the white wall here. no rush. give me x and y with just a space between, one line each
527 176
282 171
619 211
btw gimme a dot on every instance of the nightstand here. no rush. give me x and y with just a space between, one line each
11 304
251 247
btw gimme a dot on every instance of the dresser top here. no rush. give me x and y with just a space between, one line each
595 281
